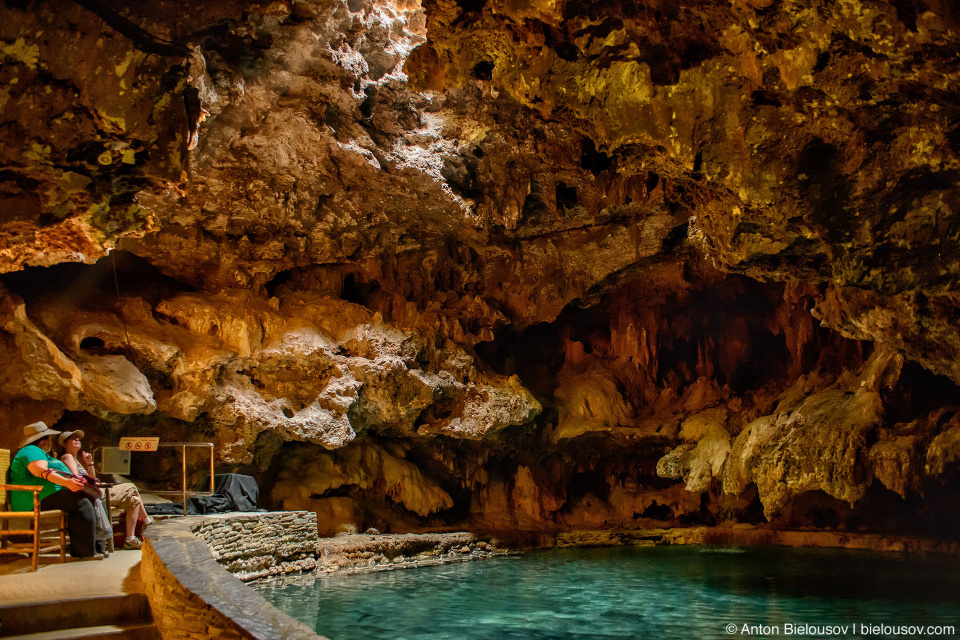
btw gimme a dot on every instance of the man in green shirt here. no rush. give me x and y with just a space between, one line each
34 465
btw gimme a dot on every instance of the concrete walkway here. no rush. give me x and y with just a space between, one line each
118 574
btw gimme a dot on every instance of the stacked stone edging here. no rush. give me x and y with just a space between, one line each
260 545
193 597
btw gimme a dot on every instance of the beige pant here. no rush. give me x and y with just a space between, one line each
124 496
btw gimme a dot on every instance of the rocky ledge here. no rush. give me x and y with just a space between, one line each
746 535
374 552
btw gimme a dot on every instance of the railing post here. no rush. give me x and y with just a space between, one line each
183 451
184 490
211 467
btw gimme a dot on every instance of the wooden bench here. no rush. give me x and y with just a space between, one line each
44 531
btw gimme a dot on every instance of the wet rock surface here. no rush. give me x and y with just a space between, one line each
535 266
353 554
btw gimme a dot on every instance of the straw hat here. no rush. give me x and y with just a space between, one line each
35 431
66 435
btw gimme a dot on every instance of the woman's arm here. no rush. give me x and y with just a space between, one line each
88 464
39 468
71 463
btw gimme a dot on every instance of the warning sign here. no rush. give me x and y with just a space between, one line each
139 444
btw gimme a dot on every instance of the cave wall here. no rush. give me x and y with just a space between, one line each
502 265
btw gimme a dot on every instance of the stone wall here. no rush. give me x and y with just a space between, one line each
260 545
269 545
178 612
193 597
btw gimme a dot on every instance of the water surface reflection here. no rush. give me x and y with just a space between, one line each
626 592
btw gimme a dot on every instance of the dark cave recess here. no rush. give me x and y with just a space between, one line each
93 286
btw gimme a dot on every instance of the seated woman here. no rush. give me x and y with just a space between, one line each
104 528
33 462
125 495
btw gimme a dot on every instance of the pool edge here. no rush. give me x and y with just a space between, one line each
192 596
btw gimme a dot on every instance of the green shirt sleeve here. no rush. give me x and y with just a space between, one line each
20 474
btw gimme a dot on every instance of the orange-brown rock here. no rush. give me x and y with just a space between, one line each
535 265
310 369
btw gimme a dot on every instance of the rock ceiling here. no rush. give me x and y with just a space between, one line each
679 248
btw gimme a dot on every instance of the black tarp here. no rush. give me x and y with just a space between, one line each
231 492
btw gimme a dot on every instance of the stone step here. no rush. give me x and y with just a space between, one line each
131 609
101 632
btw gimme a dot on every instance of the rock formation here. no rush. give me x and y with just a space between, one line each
516 265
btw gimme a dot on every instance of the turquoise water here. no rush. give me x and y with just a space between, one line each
626 592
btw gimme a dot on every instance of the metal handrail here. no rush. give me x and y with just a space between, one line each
183 455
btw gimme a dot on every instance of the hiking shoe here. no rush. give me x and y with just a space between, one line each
132 544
